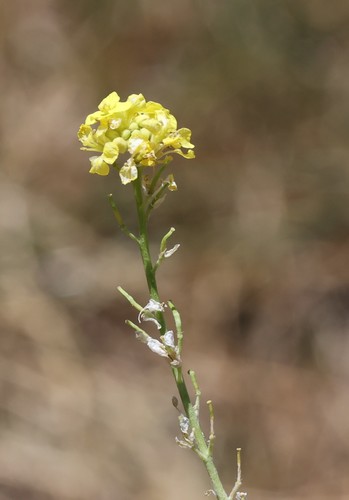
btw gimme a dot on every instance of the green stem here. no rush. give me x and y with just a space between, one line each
143 241
130 299
155 179
155 197
119 218
182 388
178 323
150 272
163 248
204 453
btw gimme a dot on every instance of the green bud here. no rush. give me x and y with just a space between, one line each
126 134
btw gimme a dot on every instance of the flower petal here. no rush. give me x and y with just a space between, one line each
168 339
109 102
157 347
170 252
128 172
110 152
98 166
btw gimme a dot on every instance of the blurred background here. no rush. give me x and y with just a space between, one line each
261 278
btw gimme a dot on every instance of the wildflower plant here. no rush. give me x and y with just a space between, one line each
137 139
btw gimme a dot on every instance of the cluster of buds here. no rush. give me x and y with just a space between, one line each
146 131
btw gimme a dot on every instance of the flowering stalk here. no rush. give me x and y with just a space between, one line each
148 133
152 284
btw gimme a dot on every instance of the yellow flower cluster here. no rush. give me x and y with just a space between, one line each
145 130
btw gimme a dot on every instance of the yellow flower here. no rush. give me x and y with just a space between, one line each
88 138
145 130
179 139
108 108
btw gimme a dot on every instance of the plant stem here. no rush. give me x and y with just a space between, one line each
150 271
152 284
143 242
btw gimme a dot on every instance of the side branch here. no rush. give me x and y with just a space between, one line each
119 219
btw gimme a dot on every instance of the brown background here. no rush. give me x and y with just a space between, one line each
261 278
